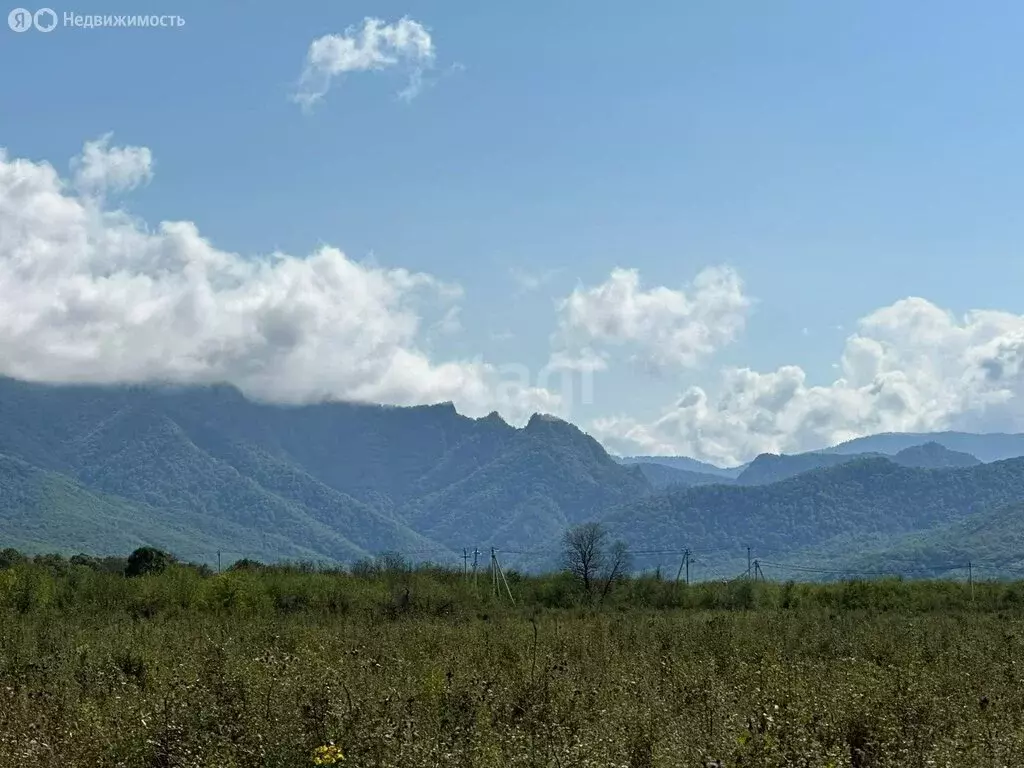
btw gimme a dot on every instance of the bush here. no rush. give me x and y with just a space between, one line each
10 558
245 564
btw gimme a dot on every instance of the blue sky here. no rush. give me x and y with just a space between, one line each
838 159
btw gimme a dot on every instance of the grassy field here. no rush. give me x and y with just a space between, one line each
416 669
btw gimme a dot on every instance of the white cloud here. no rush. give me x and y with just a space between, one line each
665 327
101 168
527 281
585 361
90 294
909 367
405 44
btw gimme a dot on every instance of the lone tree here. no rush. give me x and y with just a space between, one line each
591 557
147 560
584 552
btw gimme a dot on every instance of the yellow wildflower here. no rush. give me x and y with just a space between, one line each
327 755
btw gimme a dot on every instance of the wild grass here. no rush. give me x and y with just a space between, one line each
415 669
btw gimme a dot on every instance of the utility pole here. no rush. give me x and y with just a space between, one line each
494 573
476 554
684 563
500 574
970 578
218 561
465 563
748 562
758 573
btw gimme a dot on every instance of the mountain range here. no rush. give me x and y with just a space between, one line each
771 468
201 470
332 481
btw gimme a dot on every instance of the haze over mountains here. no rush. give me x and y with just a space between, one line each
197 470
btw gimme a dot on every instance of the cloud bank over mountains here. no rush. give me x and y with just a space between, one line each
909 367
88 293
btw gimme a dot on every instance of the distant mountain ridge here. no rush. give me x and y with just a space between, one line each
684 463
933 455
984 447
662 476
867 496
335 481
772 468
202 469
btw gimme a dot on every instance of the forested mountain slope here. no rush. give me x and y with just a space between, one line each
868 496
337 480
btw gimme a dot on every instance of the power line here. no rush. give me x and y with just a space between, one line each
452 554
999 568
856 572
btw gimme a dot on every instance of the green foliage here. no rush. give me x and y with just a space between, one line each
10 557
992 538
146 560
245 564
262 665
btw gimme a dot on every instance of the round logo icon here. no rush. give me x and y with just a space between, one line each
20 20
45 20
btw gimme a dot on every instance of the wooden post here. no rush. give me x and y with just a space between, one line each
501 573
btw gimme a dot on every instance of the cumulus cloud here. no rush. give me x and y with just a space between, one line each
405 45
102 168
91 294
664 327
909 367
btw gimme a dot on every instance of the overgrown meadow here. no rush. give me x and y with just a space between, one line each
290 667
